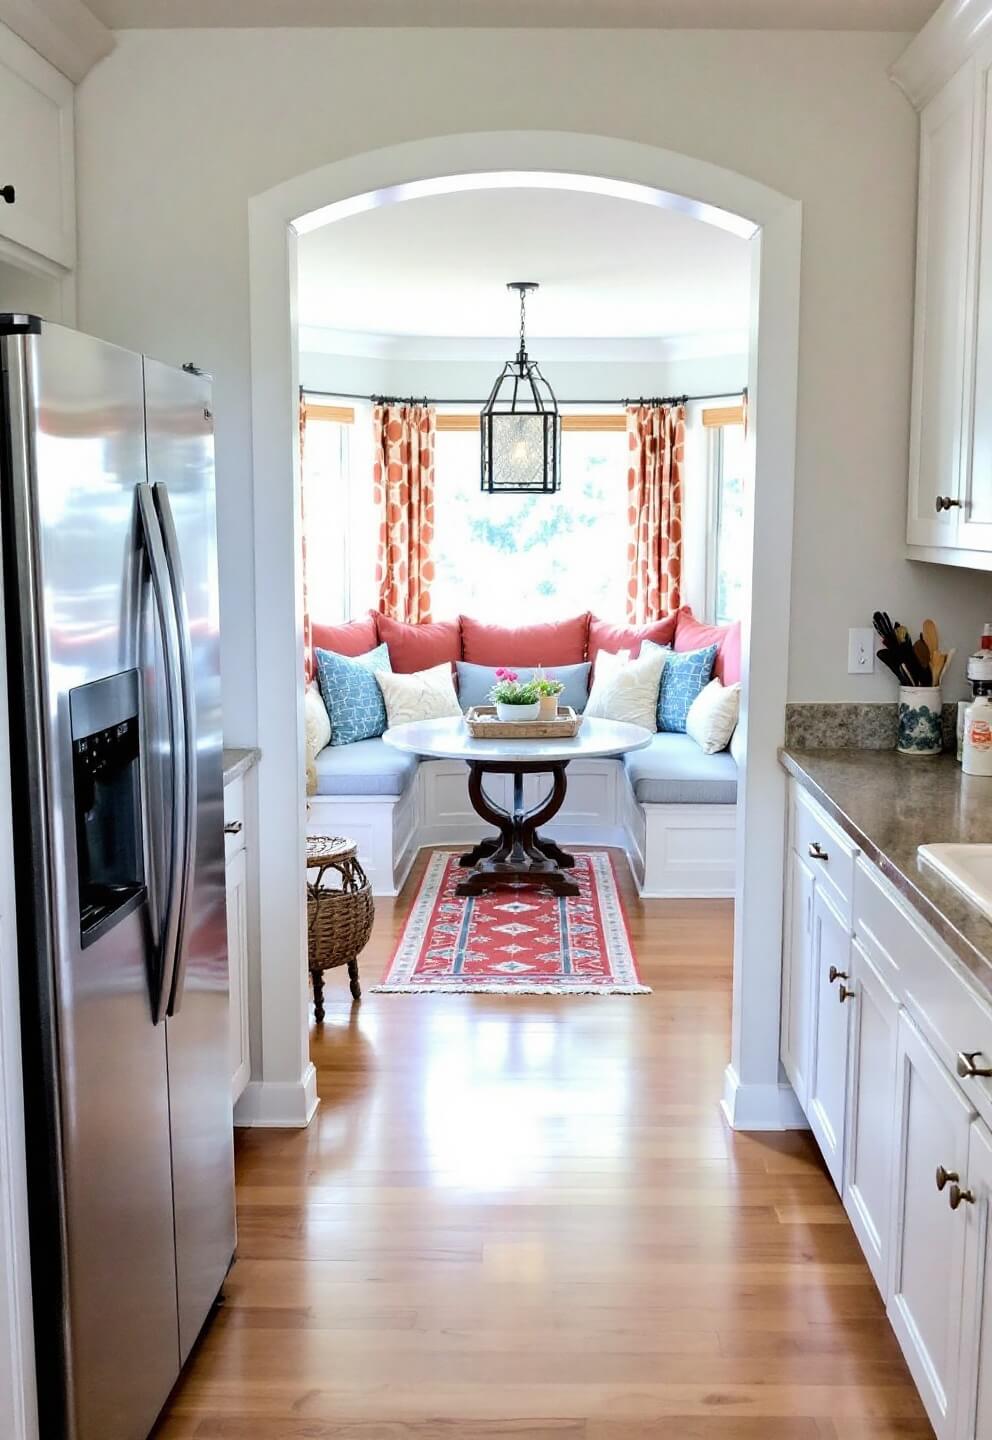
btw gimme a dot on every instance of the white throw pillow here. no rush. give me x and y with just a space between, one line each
627 690
712 717
316 720
425 695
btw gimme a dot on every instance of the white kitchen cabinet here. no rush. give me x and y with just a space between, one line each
236 877
944 324
36 156
870 1125
933 1121
975 1410
797 976
827 1103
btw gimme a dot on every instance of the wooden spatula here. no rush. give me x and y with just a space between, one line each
931 637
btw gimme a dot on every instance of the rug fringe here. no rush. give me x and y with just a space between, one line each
504 990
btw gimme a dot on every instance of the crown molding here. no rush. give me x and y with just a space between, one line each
947 41
66 33
320 340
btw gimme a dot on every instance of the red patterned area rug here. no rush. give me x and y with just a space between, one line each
517 940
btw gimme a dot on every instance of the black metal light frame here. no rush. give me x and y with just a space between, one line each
521 393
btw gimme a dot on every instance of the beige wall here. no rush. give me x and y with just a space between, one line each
178 129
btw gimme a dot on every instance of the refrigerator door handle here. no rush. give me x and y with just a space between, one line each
163 505
158 567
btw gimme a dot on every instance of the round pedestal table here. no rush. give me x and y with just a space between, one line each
517 852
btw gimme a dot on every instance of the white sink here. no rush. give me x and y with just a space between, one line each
968 867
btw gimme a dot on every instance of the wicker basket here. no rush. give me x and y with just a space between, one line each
482 724
339 917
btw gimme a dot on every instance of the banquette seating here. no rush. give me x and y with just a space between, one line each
671 807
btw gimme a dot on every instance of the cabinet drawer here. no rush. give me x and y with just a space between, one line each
36 152
825 848
234 817
954 1017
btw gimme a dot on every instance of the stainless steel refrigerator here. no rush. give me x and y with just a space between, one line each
110 604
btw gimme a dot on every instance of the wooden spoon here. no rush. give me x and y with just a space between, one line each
922 652
931 637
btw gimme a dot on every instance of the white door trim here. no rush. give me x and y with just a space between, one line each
689 183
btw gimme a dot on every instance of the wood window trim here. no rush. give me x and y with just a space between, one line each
338 414
723 415
588 424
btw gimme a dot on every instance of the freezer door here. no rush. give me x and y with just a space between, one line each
181 474
100 1168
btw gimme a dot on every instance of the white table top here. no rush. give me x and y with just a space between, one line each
448 739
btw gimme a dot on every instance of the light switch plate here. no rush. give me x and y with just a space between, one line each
861 652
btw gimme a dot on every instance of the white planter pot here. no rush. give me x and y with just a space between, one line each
517 712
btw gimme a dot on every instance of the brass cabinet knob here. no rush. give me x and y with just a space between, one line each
946 502
944 1177
957 1197
844 994
817 852
834 974
233 827
967 1068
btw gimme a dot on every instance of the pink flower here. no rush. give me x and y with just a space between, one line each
504 674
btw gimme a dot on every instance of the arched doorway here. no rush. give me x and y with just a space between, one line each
283 1087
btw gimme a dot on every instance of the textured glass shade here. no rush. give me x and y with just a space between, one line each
521 452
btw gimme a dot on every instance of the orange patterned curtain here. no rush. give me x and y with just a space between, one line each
403 481
307 631
656 437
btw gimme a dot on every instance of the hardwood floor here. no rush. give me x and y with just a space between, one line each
526 1218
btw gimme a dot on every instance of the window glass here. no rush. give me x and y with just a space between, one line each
516 558
732 548
326 506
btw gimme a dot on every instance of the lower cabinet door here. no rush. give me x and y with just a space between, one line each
871 1141
933 1120
975 1408
797 978
236 874
831 947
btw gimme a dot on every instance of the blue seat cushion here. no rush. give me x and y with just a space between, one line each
368 767
672 770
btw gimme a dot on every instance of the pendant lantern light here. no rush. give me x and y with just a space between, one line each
520 424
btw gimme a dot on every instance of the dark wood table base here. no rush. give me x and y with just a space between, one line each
518 853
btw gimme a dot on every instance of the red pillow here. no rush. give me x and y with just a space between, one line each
692 634
614 638
563 642
420 647
354 637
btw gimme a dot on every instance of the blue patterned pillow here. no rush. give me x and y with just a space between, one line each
353 699
686 672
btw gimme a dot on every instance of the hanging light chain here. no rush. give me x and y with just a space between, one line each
523 321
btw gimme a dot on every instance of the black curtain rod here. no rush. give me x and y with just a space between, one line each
425 400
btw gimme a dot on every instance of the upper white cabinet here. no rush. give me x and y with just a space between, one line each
937 437
948 76
36 156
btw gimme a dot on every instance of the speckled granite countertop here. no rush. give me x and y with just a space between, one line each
890 804
236 762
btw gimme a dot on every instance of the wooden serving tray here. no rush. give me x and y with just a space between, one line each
482 724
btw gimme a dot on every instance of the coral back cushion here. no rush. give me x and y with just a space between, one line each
351 638
692 634
413 648
561 643
614 638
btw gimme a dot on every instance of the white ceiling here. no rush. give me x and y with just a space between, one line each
689 14
608 268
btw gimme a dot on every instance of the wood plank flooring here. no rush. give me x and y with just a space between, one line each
525 1219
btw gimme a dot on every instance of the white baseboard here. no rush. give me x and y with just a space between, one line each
286 1105
760 1107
